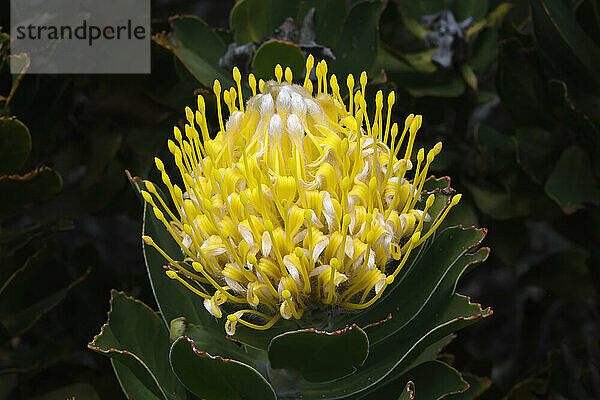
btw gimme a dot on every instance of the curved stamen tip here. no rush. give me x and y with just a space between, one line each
146 196
334 263
159 164
286 294
197 266
430 200
171 274
237 76
415 237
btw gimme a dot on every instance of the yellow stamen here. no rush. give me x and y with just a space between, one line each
297 201
217 91
173 275
252 83
237 77
278 73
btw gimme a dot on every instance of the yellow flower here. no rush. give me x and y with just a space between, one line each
297 202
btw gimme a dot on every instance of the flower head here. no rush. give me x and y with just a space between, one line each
297 202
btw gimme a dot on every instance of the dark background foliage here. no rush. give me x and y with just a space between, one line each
512 90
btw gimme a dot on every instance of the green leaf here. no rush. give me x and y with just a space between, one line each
535 152
497 149
415 9
439 268
530 388
499 204
404 69
408 393
563 42
493 19
431 380
520 83
331 355
452 87
421 60
415 28
508 238
20 309
388 361
433 184
329 18
503 204
103 151
198 48
437 379
225 347
275 52
464 9
549 273
484 50
469 76
477 386
83 391
135 338
572 183
15 145
587 13
19 64
255 20
356 49
5 335
567 108
465 215
34 186
131 384
198 37
215 377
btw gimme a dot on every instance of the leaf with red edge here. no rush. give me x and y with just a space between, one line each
36 185
409 392
137 342
429 380
437 270
320 356
215 377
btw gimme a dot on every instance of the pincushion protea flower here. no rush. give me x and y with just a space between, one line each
297 202
309 228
